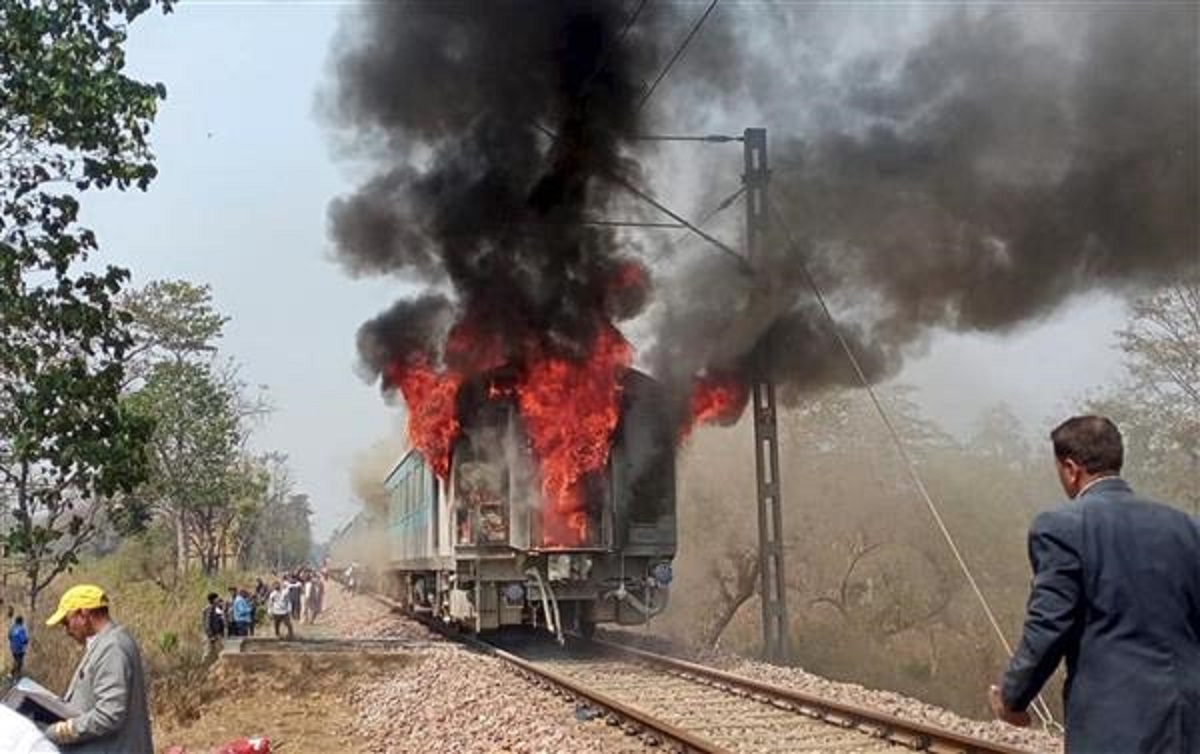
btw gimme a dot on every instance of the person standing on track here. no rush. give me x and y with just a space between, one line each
1116 592
294 588
280 607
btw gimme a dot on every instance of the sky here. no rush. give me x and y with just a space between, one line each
246 171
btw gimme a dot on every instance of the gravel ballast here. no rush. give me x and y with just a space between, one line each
890 702
455 700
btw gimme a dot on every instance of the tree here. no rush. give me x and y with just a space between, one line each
69 119
175 329
735 576
1157 405
170 320
195 453
1001 437
280 532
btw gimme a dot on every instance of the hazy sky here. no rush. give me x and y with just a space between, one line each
246 172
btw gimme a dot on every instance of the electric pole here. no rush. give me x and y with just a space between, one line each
766 434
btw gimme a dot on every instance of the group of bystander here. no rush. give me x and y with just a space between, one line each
295 596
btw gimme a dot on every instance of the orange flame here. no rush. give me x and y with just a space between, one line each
570 410
716 398
431 397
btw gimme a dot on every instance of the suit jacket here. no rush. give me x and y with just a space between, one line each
1116 592
110 690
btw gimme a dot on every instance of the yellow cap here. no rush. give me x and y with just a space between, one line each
82 597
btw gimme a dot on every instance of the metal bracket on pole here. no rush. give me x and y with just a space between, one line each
766 435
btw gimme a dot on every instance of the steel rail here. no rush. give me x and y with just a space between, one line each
879 725
915 735
663 730
682 739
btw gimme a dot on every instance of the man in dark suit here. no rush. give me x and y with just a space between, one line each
1116 592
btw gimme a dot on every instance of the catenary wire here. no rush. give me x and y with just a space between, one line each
607 53
743 265
624 183
717 209
678 53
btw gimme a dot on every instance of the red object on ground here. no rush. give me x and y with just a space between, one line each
246 746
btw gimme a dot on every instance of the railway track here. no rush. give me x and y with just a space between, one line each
693 708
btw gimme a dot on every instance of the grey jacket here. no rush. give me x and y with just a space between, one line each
1116 593
109 689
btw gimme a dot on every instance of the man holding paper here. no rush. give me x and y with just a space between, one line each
108 688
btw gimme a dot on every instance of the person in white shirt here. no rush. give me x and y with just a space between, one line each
21 736
279 605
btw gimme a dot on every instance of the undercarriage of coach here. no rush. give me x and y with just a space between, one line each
562 592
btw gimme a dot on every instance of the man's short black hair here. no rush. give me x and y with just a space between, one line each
19 619
213 596
1093 442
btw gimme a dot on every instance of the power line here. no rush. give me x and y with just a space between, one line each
678 53
622 182
600 66
742 263
721 206
1039 707
631 224
709 138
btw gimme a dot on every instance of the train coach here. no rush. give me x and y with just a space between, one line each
483 549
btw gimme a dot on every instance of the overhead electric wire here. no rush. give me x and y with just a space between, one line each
742 263
600 66
721 206
1040 708
625 184
678 53
710 138
631 224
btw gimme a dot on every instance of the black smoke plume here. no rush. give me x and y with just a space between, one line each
1011 160
502 128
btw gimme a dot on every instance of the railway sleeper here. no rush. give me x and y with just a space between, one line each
649 739
874 730
841 721
910 740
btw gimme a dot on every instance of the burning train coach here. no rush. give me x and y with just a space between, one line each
490 545
540 487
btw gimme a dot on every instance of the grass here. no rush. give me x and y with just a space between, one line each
163 617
